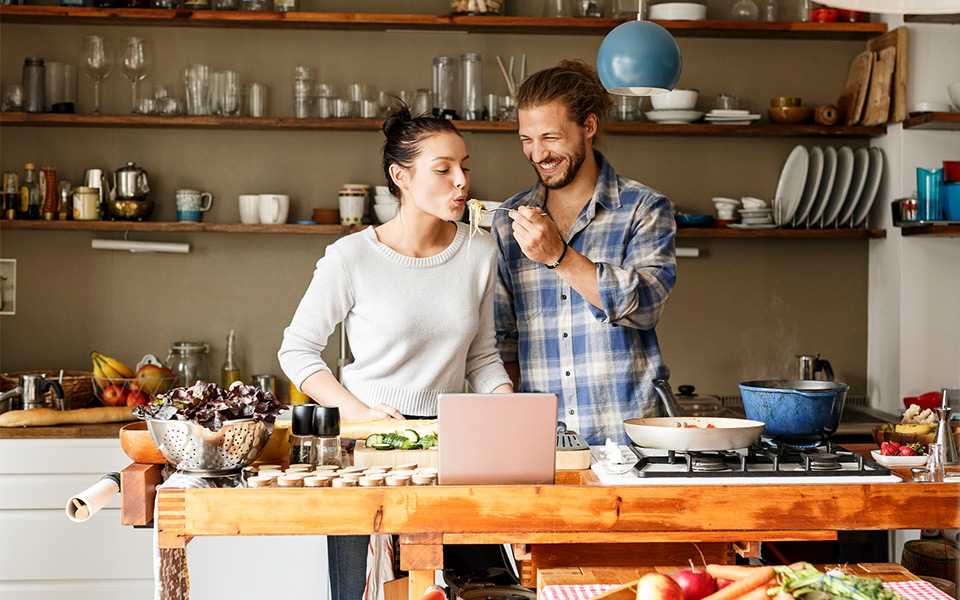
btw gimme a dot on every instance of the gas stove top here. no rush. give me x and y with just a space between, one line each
761 463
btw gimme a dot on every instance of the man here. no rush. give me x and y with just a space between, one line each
586 264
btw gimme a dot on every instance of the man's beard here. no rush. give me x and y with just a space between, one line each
575 162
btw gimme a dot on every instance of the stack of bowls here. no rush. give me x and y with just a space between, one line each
385 205
726 210
755 212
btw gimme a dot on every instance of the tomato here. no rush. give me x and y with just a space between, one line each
907 451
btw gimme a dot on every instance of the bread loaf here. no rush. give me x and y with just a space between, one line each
40 417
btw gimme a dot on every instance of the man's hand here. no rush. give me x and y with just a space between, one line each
537 234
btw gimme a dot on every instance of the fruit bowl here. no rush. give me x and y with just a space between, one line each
129 391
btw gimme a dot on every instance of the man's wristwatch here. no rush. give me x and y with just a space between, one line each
559 260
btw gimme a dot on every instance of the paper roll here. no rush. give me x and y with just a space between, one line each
88 502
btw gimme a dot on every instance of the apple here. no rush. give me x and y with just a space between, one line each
696 584
113 395
153 379
135 395
654 586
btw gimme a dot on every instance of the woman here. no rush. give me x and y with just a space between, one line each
416 302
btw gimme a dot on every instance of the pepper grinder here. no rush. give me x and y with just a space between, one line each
945 441
302 438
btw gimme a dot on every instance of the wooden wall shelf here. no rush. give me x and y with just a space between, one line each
390 21
932 230
948 19
337 230
316 124
933 120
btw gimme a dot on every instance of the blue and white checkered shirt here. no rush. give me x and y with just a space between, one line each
600 362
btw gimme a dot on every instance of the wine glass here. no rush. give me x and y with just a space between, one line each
136 61
97 64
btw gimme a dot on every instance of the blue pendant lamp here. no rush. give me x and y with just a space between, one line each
639 58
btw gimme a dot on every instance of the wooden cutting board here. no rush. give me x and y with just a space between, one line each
368 457
896 39
877 110
855 91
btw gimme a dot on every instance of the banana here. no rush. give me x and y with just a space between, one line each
110 365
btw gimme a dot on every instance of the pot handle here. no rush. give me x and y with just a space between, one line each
822 364
662 388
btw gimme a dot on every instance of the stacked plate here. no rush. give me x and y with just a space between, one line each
755 214
673 116
827 187
731 117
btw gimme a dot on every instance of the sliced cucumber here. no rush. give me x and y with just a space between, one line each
410 434
381 446
373 440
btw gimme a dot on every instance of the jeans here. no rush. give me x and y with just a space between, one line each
347 561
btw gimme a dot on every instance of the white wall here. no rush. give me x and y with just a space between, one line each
914 299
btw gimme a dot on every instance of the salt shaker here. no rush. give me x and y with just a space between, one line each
326 427
948 446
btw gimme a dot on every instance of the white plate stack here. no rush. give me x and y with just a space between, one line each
827 187
731 117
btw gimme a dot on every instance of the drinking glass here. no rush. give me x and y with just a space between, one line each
196 81
97 64
557 8
137 59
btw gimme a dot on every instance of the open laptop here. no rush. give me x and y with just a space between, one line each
496 438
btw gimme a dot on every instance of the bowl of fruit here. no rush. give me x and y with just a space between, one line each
900 456
116 384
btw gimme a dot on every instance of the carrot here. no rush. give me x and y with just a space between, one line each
731 572
757 579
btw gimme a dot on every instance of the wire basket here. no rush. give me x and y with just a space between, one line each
129 391
193 448
77 391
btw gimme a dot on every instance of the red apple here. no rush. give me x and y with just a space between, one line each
696 584
654 586
113 395
153 379
136 396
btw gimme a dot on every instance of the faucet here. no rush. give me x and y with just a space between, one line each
30 393
7 399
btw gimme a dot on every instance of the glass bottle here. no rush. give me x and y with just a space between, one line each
302 439
326 428
803 8
471 65
188 361
770 11
11 195
29 207
230 371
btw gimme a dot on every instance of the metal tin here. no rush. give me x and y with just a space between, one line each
34 84
266 382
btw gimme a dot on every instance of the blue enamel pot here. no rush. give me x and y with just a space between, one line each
802 414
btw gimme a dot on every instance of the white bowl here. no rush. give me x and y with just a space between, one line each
388 199
676 99
382 190
385 212
899 462
719 201
678 11
486 217
954 92
750 202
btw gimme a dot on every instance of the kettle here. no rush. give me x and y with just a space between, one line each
130 182
101 180
808 366
29 394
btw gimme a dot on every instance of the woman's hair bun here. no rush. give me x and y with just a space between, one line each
399 114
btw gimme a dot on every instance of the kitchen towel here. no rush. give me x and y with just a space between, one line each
909 590
88 502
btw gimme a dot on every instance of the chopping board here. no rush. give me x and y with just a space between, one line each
855 91
896 39
877 110
368 457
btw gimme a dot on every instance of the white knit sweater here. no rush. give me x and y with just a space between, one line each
417 326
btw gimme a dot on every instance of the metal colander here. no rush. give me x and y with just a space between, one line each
193 448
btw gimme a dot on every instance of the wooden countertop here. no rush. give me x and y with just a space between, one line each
99 430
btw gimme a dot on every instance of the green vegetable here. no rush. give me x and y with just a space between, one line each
810 584
429 441
374 440
411 435
405 439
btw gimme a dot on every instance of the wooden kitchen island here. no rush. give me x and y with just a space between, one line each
575 511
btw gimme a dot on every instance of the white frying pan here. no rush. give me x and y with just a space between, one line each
669 433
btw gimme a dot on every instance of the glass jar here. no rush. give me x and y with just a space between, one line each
34 84
745 10
471 66
477 7
629 9
326 428
591 9
445 77
188 361
302 438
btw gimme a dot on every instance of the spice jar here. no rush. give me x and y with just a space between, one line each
289 481
370 481
260 481
317 481
326 427
302 437
397 480
340 483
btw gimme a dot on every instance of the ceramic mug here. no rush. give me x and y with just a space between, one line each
191 204
273 208
249 209
352 208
